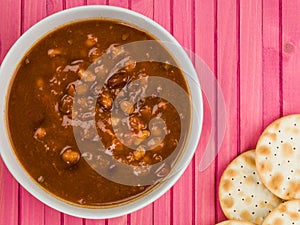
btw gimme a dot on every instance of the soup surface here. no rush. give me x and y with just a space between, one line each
98 112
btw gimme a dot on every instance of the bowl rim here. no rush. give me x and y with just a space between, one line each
7 73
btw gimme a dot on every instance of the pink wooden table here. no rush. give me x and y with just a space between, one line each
252 47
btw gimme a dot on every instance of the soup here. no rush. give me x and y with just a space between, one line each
98 112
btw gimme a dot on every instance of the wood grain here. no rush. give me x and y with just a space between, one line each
9 197
227 67
145 7
31 210
143 216
290 48
162 208
9 188
33 12
51 216
96 2
205 12
271 88
251 121
74 3
10 28
183 190
253 50
120 3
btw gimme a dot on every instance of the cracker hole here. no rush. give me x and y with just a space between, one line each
241 182
270 143
291 138
252 196
253 173
277 147
243 199
294 148
239 189
278 164
242 166
295 124
281 142
292 171
288 178
253 213
279 131
234 210
256 206
245 177
257 182
275 154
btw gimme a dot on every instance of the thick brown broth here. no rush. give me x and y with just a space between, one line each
62 88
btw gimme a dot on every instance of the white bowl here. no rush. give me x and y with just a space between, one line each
27 40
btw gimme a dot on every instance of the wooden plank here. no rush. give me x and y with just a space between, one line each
34 11
123 219
145 7
145 215
120 3
67 219
52 216
227 65
205 50
31 209
8 197
162 14
162 207
71 220
250 73
10 31
96 2
162 210
290 38
9 28
74 3
271 62
53 6
95 222
118 221
183 191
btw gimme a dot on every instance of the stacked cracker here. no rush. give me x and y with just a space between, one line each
262 186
